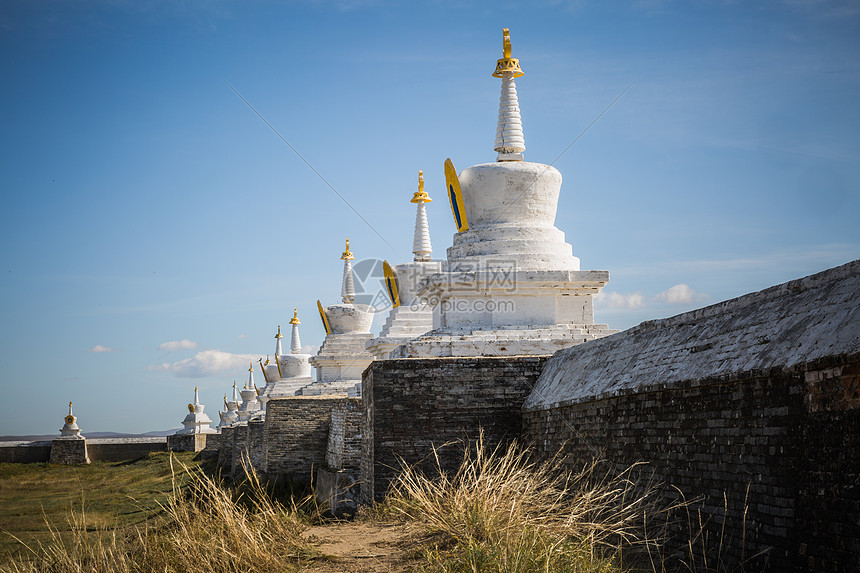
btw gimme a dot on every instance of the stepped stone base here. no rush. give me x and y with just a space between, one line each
510 341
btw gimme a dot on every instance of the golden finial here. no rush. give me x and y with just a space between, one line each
507 63
279 335
195 388
251 363
70 404
267 360
295 319
421 196
347 256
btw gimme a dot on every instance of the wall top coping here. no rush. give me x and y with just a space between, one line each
781 327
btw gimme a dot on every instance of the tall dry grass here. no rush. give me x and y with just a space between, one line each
203 527
502 512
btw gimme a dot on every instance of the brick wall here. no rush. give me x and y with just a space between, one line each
24 452
757 394
123 449
69 452
754 440
343 450
295 435
412 405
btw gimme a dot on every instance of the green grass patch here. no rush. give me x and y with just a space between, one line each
110 496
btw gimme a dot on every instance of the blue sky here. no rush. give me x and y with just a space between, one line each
155 231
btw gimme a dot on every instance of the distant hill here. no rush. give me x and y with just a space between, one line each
47 437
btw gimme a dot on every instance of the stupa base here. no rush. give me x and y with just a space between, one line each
503 341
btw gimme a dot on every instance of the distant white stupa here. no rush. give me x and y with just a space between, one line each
70 430
196 422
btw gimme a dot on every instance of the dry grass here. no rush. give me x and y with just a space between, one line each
502 512
205 527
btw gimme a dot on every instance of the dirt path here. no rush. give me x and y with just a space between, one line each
359 547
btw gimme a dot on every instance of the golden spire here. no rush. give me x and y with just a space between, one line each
295 319
421 196
251 363
279 335
507 63
267 360
70 404
347 256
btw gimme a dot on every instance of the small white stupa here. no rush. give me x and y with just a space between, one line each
249 405
409 317
291 372
512 285
196 422
70 429
231 414
342 358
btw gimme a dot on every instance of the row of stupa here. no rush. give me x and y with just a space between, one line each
510 284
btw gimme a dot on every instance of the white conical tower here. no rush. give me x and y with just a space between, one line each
295 341
278 337
510 142
421 247
347 289
196 422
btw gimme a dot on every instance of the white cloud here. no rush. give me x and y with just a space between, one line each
207 363
183 344
241 336
681 294
310 349
100 348
619 300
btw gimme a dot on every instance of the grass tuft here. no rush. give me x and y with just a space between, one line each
502 512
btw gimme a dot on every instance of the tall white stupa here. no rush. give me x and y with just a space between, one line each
409 317
196 422
342 357
511 283
291 372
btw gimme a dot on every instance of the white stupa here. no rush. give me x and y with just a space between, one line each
70 429
342 357
196 422
512 285
409 317
291 372
231 414
249 405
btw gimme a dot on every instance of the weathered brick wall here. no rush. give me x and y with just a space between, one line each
343 450
69 452
754 440
756 394
24 452
412 405
295 435
123 449
225 451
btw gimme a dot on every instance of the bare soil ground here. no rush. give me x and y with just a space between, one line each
362 547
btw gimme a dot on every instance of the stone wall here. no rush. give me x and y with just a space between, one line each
225 453
755 401
69 452
343 450
123 449
295 435
193 442
24 452
411 406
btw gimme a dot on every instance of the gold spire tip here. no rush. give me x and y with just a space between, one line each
251 366
295 319
279 335
507 64
420 196
347 256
